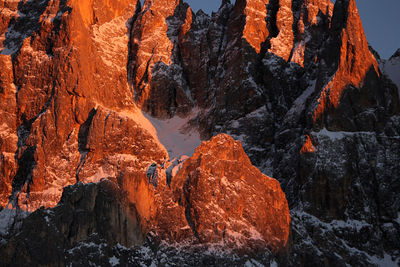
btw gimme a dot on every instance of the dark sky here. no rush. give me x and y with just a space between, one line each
381 20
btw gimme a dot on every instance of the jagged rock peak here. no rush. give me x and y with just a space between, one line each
315 6
395 55
221 189
225 2
273 22
349 51
255 26
154 54
223 147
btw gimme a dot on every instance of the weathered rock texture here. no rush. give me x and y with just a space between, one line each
348 51
66 91
8 129
86 213
227 200
294 81
212 199
211 202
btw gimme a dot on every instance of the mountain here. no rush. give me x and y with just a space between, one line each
391 67
213 207
103 104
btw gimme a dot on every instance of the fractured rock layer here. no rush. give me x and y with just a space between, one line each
294 81
228 200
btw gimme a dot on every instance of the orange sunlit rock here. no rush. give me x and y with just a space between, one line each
153 53
151 44
355 58
308 147
310 16
8 131
186 26
313 7
298 53
229 200
255 30
59 76
282 44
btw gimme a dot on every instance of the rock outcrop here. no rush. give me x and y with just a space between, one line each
62 59
355 63
154 58
229 201
211 202
86 213
391 68
8 129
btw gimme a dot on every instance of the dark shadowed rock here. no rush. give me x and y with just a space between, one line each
86 213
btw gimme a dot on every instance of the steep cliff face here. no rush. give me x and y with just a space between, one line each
210 202
350 53
294 81
220 189
340 179
8 136
63 58
86 213
155 70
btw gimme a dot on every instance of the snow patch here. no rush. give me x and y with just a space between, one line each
174 167
300 102
10 41
101 174
386 261
176 135
253 263
331 135
10 218
273 264
333 225
114 261
6 220
338 135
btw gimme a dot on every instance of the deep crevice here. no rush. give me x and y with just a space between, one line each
25 156
83 140
272 11
188 207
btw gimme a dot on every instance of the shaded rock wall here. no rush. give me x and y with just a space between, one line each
86 213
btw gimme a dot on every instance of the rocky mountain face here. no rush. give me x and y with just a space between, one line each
85 213
293 80
59 73
210 202
391 67
224 195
